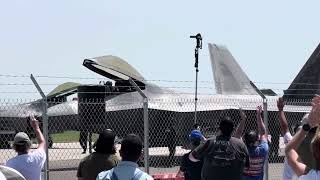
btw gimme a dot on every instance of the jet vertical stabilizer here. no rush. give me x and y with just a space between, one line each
307 82
228 75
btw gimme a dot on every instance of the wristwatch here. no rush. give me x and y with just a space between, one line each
306 127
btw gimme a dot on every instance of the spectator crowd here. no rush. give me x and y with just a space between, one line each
231 154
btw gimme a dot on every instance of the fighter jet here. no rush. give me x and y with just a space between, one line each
118 105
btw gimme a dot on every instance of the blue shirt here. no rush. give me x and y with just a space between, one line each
125 170
257 157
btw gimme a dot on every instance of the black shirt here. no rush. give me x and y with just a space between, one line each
224 158
191 170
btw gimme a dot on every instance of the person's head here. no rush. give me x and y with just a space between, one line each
226 126
105 142
251 138
196 126
21 143
131 148
195 138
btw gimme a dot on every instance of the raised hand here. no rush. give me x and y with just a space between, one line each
259 111
314 115
242 114
241 125
280 104
282 117
34 122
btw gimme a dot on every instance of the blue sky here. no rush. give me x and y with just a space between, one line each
271 40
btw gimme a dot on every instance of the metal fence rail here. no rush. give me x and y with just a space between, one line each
169 123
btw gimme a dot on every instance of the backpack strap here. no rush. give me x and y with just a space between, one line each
137 175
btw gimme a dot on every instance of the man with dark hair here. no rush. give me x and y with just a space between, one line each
224 157
127 169
104 157
28 163
189 169
257 145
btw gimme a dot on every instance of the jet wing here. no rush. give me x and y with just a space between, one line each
21 110
24 110
113 68
177 103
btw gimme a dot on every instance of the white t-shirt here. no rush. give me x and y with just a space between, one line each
29 165
312 175
288 173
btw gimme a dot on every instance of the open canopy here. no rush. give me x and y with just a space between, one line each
113 68
64 89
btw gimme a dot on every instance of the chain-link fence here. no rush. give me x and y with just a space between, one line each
73 126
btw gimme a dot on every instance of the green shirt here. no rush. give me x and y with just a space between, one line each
95 163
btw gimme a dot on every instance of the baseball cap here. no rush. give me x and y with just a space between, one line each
195 135
21 138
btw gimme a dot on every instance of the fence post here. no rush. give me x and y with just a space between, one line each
265 118
146 134
145 125
44 127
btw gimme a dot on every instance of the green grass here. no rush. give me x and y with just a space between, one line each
70 136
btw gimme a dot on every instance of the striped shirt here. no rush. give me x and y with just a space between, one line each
257 157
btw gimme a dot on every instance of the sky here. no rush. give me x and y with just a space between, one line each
271 40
